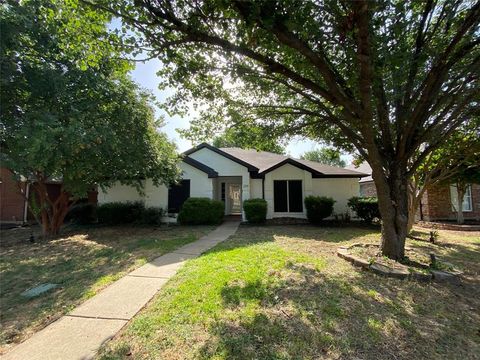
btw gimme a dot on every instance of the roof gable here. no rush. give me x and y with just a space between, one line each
249 166
200 166
262 162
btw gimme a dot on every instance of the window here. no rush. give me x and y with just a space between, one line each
287 196
467 198
177 194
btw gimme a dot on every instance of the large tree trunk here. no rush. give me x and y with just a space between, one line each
392 193
460 195
52 213
60 210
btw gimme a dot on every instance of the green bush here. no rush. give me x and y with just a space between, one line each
120 212
201 211
318 208
83 213
365 207
151 216
255 210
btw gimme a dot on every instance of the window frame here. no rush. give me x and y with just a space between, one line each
287 194
466 197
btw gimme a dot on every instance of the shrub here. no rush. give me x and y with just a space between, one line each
365 207
255 210
151 216
120 212
318 208
201 211
84 213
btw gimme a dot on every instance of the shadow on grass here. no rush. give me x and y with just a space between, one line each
81 263
265 294
314 315
311 313
315 234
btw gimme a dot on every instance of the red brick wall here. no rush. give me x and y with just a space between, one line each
368 189
436 204
11 202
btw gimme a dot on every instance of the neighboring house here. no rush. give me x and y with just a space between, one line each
366 185
14 208
233 175
438 203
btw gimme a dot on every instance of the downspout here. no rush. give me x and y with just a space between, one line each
263 188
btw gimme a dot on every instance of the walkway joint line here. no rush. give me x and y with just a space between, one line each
96 317
149 277
182 253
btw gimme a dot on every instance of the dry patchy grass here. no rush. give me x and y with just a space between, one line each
82 262
280 292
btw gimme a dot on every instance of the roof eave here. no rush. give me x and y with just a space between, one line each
200 166
250 167
315 173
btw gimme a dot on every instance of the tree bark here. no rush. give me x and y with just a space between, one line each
460 195
59 211
414 198
52 213
392 192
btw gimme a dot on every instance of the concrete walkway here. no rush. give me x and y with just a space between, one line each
80 334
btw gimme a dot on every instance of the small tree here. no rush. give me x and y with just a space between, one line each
69 111
455 157
327 156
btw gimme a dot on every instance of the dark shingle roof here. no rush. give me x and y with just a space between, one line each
262 162
365 168
265 161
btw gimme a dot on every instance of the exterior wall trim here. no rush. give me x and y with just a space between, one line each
220 152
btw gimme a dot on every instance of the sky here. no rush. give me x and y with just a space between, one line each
145 74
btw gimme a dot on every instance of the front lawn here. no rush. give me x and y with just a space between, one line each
81 263
280 292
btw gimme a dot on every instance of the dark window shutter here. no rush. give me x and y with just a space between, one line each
280 196
177 194
295 200
223 191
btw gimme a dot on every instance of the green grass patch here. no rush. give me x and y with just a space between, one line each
282 293
82 262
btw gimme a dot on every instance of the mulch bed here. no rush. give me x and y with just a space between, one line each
416 265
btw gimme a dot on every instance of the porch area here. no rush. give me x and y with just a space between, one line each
228 189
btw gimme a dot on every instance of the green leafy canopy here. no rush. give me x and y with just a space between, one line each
390 79
69 109
327 156
249 137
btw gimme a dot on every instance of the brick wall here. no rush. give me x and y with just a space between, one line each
436 204
368 189
11 202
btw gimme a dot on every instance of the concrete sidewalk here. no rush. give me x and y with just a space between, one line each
80 334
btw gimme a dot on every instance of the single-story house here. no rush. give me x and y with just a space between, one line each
233 175
439 203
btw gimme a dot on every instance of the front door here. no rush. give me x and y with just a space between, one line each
234 199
